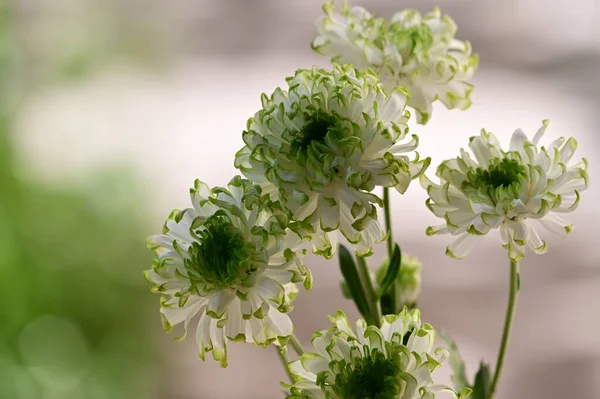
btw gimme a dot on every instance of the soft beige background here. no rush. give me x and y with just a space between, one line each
539 59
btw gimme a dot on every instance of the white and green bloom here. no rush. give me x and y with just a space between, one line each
515 191
395 361
232 259
406 286
417 52
322 146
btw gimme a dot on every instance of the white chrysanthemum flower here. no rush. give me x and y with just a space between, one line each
417 52
514 191
325 144
395 361
233 259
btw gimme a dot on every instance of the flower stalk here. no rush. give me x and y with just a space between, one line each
281 352
369 290
510 311
387 211
295 342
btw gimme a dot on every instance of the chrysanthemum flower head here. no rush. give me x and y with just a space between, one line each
515 191
233 259
395 361
417 52
323 145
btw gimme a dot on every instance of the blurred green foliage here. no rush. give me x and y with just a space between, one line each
73 322
73 319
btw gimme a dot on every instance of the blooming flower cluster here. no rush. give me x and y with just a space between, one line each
395 361
514 191
322 146
417 52
233 259
313 156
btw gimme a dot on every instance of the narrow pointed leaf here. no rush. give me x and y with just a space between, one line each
353 282
481 388
392 271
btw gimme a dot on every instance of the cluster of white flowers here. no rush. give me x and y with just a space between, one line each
313 156
417 52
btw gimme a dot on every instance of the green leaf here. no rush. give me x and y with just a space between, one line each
353 282
459 374
481 388
391 273
345 290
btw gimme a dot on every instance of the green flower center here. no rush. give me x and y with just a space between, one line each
318 124
501 172
416 37
221 257
372 376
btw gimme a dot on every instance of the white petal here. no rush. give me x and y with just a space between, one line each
535 242
175 314
161 240
421 342
181 231
342 323
540 132
555 224
269 289
567 151
461 217
320 344
314 363
203 333
279 323
219 350
361 326
329 215
297 369
481 150
400 326
219 302
517 140
259 334
235 325
520 231
440 229
463 245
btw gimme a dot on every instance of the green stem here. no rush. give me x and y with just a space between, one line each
285 361
510 311
296 345
387 211
372 300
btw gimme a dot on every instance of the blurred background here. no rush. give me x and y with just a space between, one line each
109 109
